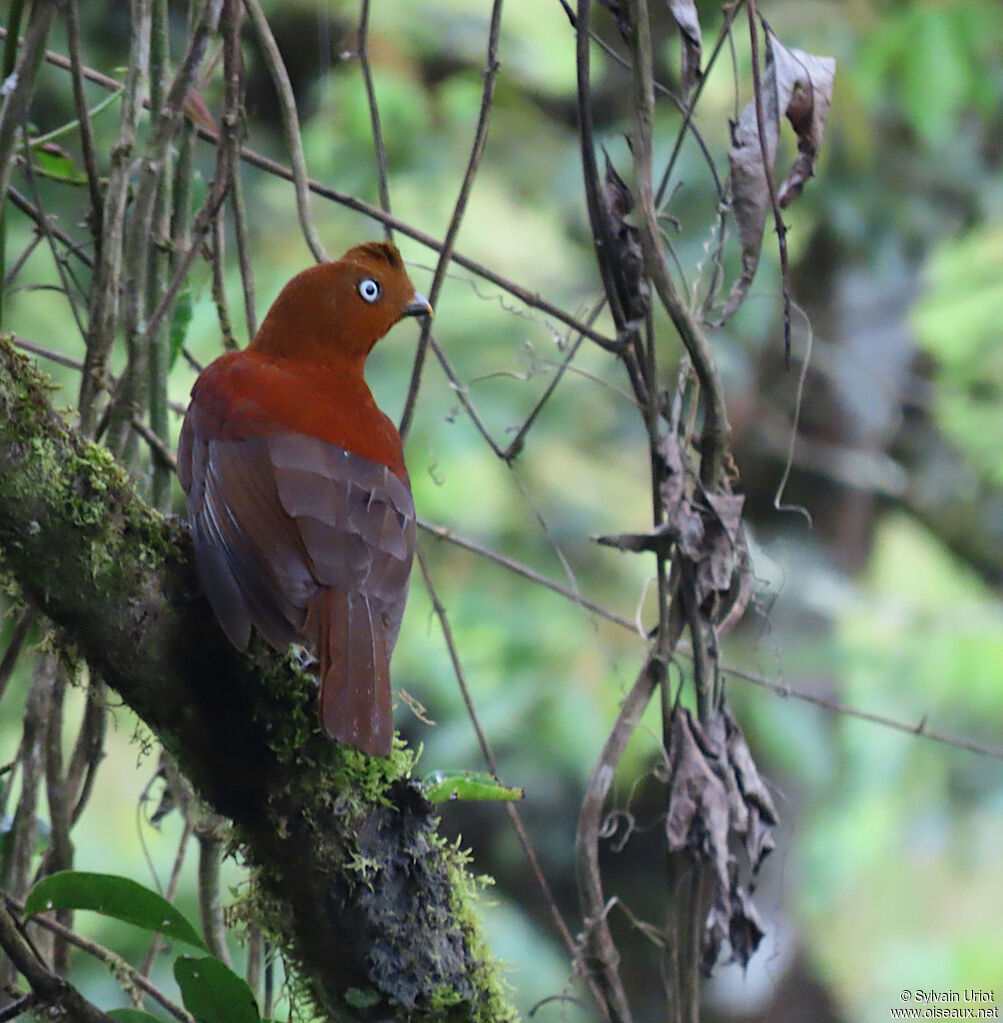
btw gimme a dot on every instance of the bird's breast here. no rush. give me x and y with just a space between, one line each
243 394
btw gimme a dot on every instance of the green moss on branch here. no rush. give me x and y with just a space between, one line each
350 873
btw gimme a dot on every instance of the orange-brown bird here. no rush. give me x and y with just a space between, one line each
298 497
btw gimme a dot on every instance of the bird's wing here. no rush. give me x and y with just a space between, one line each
298 537
355 517
277 517
357 522
251 558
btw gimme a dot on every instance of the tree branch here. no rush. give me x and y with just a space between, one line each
350 875
51 991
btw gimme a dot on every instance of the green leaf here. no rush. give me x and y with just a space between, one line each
180 321
213 993
53 162
112 896
443 785
133 1016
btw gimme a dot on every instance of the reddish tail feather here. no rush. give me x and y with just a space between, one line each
349 638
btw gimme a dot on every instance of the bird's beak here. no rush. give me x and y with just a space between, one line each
418 306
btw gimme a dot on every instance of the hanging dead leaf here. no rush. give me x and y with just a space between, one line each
807 111
799 85
762 814
718 805
719 557
684 12
627 259
699 804
673 483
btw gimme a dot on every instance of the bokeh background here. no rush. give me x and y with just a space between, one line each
885 596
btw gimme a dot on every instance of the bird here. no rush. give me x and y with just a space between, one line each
297 495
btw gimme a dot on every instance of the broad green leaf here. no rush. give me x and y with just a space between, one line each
54 162
133 1016
443 785
112 896
213 993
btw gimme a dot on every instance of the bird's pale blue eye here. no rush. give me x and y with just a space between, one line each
369 289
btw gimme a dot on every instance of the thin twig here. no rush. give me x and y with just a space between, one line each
362 52
45 227
291 125
716 430
601 956
159 260
459 208
217 258
73 45
680 105
88 750
687 110
837 707
518 442
19 843
59 851
454 657
172 887
118 966
19 1007
771 185
10 278
443 533
14 108
73 247
524 295
599 219
492 763
781 688
52 990
70 363
106 284
154 166
18 637
210 907
529 298
239 213
461 393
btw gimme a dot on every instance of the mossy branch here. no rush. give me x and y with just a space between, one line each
367 900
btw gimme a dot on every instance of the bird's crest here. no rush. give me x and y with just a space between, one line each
379 251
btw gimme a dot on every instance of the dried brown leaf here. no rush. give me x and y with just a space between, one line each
799 85
719 558
761 813
745 929
717 804
699 804
627 259
684 12
807 110
673 484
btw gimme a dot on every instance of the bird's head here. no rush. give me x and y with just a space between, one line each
340 310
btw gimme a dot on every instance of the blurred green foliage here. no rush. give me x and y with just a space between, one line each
888 868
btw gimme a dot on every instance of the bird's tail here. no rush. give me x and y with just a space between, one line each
349 637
